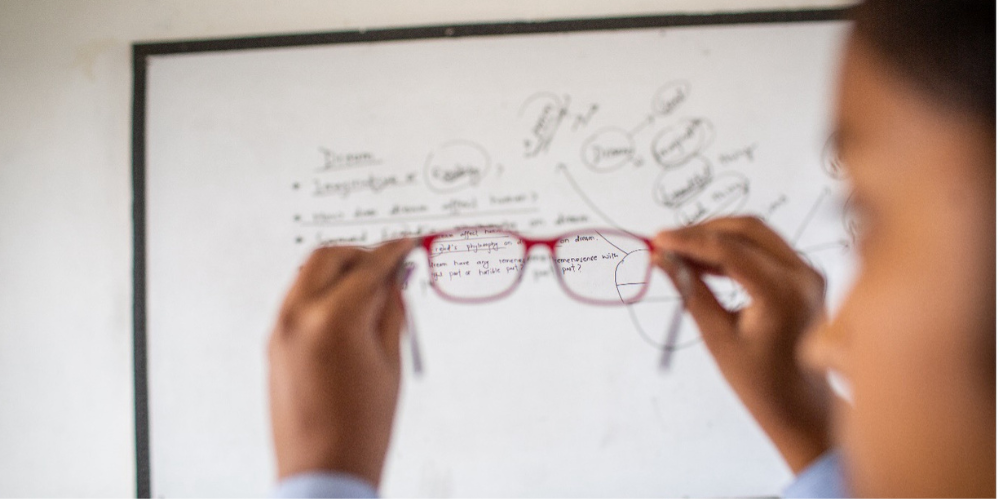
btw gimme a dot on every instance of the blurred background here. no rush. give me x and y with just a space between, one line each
66 405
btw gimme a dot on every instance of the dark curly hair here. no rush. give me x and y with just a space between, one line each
946 47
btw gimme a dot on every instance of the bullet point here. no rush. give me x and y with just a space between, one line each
295 186
298 240
298 218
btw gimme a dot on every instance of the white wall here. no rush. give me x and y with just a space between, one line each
66 404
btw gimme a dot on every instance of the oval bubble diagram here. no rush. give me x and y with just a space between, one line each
669 97
541 115
676 186
653 315
679 143
726 195
631 275
456 165
607 150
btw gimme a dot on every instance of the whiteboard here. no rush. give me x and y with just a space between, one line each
254 157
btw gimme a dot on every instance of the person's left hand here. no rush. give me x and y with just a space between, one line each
756 347
335 362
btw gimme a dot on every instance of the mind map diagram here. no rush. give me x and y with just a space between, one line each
356 196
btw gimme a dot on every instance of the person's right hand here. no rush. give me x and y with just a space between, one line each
334 362
755 347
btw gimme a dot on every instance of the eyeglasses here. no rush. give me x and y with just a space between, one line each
596 266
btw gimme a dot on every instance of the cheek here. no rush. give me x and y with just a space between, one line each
878 431
907 347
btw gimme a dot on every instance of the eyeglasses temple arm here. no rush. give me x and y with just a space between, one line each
411 328
411 333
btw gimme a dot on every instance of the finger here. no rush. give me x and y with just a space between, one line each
390 326
716 324
755 230
362 291
756 270
797 272
323 267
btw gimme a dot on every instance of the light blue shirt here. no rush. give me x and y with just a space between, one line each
823 478
324 484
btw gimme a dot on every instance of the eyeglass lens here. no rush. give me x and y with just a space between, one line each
603 266
476 264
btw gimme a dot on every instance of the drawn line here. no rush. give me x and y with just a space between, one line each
645 123
324 169
580 193
840 245
650 300
420 219
612 244
810 215
452 240
435 254
645 335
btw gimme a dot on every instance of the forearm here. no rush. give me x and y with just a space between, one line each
794 416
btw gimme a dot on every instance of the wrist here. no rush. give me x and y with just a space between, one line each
313 454
794 413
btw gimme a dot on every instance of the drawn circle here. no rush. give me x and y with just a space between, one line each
726 195
456 165
669 97
541 114
537 102
673 187
637 323
678 143
630 273
831 162
607 150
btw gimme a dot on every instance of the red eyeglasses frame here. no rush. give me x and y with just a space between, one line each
427 241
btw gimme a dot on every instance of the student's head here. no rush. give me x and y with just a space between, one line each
916 337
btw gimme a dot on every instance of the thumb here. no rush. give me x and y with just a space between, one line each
364 292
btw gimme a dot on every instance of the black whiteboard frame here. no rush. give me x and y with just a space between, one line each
141 52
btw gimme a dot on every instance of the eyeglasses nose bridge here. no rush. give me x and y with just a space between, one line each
530 243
